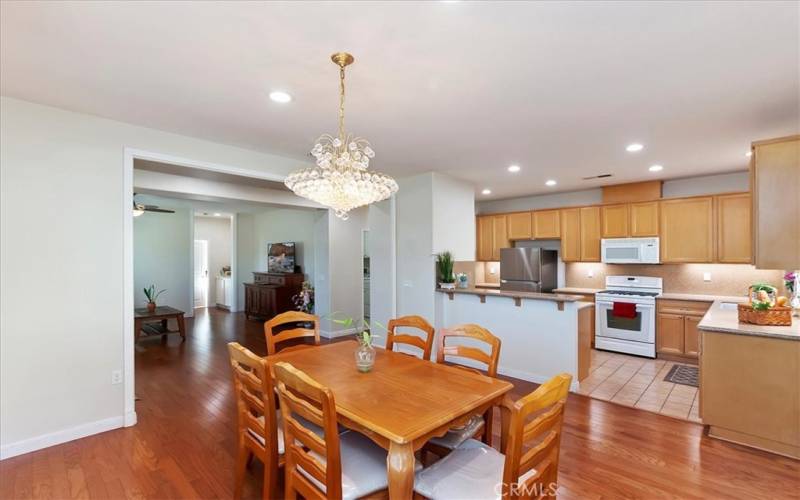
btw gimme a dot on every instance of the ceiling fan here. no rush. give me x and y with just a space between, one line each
139 209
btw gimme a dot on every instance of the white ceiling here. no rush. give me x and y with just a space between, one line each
466 88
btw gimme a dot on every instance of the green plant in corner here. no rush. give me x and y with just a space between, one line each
444 267
151 294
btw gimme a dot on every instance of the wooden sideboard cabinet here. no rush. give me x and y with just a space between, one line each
271 293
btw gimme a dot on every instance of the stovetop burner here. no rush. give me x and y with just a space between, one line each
630 293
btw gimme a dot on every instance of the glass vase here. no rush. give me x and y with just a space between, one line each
365 358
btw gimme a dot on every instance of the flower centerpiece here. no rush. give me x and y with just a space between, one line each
365 353
152 295
791 281
304 300
444 268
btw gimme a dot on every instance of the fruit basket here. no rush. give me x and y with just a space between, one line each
775 316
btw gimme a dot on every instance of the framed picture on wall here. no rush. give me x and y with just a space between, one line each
280 257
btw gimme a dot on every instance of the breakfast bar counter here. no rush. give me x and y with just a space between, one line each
542 334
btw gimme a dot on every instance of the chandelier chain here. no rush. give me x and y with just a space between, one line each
341 103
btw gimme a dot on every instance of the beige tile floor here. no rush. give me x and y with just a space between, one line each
639 382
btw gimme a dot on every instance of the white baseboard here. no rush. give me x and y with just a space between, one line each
339 333
62 436
130 419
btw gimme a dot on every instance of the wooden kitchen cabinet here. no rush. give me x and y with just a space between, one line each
590 234
734 229
644 219
570 219
775 184
687 230
500 235
615 221
669 334
492 235
485 227
691 336
546 224
677 336
519 226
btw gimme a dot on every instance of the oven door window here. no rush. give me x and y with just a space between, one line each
619 323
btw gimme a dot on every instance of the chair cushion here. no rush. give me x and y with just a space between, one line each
458 435
471 471
363 466
279 420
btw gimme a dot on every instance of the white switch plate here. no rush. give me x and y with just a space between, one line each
706 276
590 273
492 270
116 377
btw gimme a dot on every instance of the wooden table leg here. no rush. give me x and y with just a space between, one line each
181 326
505 421
400 468
137 330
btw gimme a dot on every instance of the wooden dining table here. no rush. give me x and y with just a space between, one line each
401 403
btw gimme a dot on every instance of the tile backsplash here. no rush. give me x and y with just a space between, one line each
478 272
726 279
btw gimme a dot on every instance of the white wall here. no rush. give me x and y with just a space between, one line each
672 188
416 277
162 256
217 231
453 214
66 169
346 271
381 261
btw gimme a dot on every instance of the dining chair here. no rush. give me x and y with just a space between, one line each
417 322
527 469
477 424
258 432
289 317
331 465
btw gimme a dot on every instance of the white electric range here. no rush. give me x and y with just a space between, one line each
635 335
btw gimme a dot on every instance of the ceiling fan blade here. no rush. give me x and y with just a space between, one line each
151 208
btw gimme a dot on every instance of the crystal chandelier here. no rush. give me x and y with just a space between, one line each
341 180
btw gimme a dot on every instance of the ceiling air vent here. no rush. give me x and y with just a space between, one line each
601 176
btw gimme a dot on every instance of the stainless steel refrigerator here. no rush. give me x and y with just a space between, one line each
528 269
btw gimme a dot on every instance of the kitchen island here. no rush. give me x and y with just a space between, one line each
750 381
542 334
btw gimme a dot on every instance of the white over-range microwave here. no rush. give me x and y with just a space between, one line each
630 250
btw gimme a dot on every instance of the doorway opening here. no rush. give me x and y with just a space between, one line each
213 240
366 275
200 273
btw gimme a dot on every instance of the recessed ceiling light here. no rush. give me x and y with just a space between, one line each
280 96
551 182
749 154
632 148
217 215
655 168
514 168
486 191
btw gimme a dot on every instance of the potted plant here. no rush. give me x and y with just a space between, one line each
152 295
365 353
444 268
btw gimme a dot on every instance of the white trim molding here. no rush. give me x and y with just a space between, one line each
63 436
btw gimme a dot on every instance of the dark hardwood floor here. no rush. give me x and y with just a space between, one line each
184 443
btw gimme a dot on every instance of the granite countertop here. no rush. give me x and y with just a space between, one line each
487 285
572 289
703 298
557 297
726 320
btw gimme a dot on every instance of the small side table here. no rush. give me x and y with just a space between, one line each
156 322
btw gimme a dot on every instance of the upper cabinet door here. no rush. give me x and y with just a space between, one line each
519 226
644 219
734 229
546 224
485 237
590 234
615 221
570 234
687 230
775 183
500 236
